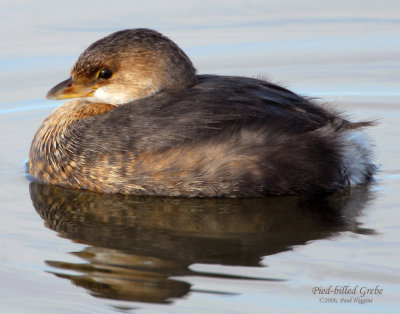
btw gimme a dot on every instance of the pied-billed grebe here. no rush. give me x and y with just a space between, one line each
144 123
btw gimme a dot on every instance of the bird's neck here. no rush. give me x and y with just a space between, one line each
56 140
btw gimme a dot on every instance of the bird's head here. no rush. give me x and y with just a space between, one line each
125 66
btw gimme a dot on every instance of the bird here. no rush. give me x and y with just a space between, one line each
141 121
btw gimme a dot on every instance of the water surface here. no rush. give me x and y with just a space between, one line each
67 251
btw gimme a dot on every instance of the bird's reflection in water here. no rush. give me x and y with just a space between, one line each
135 244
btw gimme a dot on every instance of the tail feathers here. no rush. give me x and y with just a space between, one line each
358 167
340 124
361 124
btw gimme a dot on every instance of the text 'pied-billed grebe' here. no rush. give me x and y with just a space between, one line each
144 123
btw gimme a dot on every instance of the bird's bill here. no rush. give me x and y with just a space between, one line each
70 89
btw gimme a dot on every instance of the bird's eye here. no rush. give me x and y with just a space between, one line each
104 74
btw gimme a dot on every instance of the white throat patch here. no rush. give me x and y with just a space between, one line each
102 95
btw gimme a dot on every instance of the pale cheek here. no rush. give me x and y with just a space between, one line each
102 95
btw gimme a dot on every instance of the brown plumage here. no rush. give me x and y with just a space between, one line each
144 123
